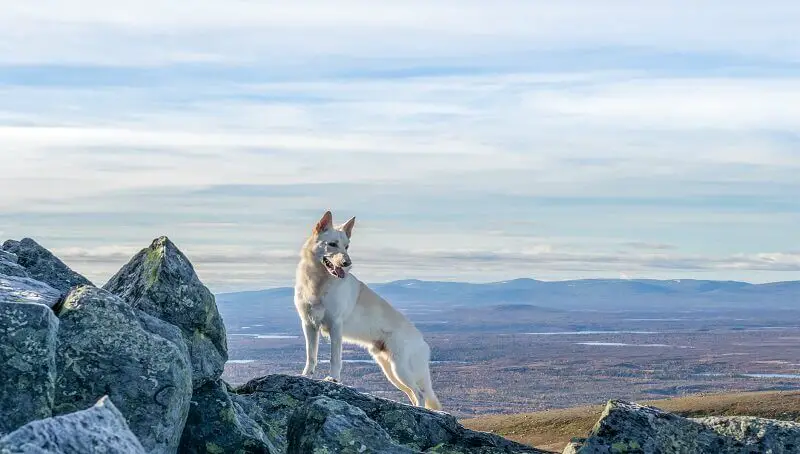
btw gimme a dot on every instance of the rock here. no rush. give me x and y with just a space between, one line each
217 424
28 355
272 400
101 428
108 348
42 265
16 289
756 434
161 281
327 425
626 427
9 265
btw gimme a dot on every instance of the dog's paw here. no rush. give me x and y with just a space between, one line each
331 379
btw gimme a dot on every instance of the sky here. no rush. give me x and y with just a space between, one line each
473 140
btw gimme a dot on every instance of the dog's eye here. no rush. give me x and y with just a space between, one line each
347 247
333 245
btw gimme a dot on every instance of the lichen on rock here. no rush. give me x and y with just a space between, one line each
98 429
272 401
161 281
28 372
626 427
108 348
218 424
42 265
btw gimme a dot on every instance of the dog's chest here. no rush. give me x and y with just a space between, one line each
327 304
314 313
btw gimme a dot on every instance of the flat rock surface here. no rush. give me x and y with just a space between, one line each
271 401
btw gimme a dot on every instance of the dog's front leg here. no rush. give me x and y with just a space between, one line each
336 352
311 333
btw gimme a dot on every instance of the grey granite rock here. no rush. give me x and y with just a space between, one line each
217 424
271 401
9 265
108 348
626 427
42 265
161 281
99 429
17 289
328 425
28 358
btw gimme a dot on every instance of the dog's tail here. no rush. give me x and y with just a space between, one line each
431 401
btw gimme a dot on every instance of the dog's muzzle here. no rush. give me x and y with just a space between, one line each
336 266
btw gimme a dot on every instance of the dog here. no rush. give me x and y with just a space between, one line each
331 300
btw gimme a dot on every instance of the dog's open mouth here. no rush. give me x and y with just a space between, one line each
336 271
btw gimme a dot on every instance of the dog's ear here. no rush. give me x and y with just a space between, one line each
347 227
324 223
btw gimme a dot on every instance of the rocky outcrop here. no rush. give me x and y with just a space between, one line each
28 358
218 424
42 265
161 281
154 343
626 427
272 400
108 348
101 428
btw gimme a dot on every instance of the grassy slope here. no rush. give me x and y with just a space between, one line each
552 429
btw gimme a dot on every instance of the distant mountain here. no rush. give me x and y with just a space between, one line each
274 309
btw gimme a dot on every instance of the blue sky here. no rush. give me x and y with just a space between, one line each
473 140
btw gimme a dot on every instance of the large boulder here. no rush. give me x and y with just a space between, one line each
626 427
28 358
217 424
42 265
327 425
272 400
108 348
161 281
99 429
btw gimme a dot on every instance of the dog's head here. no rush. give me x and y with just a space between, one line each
329 245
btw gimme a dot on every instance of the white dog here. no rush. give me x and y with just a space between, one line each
330 299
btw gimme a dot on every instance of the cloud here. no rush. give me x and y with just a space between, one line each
557 139
236 267
219 31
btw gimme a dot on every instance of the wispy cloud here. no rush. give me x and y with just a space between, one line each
656 139
225 268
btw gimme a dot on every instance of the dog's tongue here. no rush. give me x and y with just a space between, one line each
339 272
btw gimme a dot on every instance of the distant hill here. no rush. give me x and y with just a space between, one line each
275 308
552 429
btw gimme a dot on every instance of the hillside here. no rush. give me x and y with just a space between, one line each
552 429
642 295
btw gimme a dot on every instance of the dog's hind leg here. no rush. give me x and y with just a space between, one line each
386 367
311 333
405 377
431 401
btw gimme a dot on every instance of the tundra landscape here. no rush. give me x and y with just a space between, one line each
525 345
